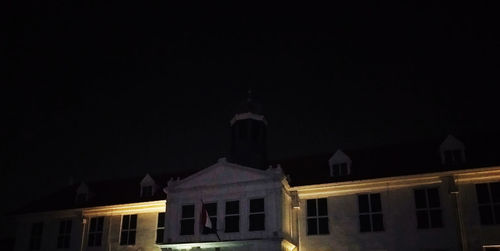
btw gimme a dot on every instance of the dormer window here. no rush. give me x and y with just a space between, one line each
81 198
452 151
82 193
148 186
339 169
147 191
340 164
453 156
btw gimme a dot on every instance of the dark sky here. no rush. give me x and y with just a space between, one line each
100 89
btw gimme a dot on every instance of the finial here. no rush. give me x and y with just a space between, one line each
249 94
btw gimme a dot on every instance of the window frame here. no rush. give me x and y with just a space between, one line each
490 204
317 217
36 235
64 234
370 213
212 217
250 214
97 232
340 169
183 219
160 228
226 216
149 189
428 209
128 230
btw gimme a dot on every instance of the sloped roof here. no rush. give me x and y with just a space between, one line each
392 160
367 163
101 193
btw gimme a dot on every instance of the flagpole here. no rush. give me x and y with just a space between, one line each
203 208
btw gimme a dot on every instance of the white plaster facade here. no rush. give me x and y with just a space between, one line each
223 182
285 214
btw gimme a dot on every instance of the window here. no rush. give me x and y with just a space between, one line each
257 215
147 191
232 219
488 199
370 213
340 169
317 217
453 156
255 130
129 226
212 214
243 128
81 198
187 220
64 237
160 229
36 236
428 208
95 231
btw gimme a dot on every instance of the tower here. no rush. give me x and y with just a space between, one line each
248 135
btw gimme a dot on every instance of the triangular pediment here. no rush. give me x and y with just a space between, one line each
223 173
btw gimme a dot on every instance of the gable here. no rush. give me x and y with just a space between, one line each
224 173
339 157
451 143
147 181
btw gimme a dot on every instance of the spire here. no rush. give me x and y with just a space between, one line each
249 126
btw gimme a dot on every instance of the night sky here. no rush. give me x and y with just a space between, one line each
98 90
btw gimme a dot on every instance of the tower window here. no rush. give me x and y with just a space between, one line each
243 129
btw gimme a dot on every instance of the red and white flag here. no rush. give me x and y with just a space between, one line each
205 219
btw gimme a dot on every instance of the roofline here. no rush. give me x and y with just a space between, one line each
484 174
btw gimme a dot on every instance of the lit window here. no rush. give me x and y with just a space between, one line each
64 237
95 231
370 213
257 215
212 214
340 169
232 219
160 229
187 220
129 226
36 236
317 217
428 208
488 199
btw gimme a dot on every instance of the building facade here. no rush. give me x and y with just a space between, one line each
426 196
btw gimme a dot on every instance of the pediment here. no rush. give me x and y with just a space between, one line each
339 157
451 143
223 173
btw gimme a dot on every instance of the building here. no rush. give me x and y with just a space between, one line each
434 195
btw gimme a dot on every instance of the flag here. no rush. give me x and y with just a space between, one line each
205 219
